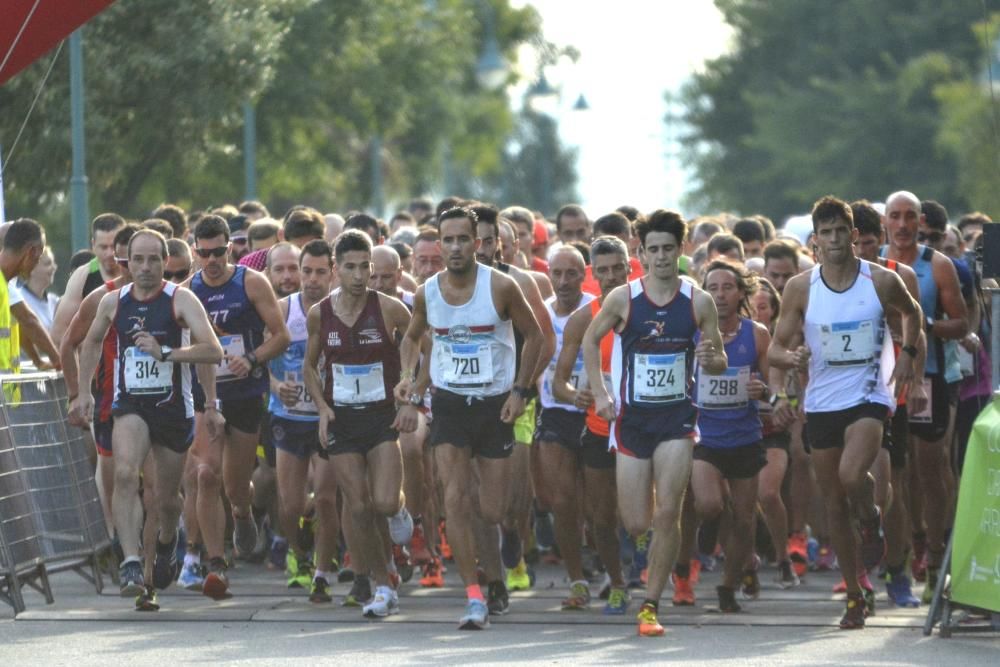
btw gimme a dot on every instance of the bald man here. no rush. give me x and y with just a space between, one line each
387 272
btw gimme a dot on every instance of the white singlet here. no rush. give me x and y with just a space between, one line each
845 332
578 377
473 351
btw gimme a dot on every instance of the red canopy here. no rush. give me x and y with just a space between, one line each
49 23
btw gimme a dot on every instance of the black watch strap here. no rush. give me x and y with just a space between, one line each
910 350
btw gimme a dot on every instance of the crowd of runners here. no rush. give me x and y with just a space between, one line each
636 396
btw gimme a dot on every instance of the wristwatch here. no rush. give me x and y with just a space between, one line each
214 405
525 394
416 400
910 350
165 352
252 358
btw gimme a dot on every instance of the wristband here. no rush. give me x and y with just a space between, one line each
213 405
910 350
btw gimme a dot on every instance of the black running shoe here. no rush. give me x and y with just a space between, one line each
165 566
854 615
497 599
147 600
130 578
320 591
727 600
361 592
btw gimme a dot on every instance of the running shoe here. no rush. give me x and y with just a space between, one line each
346 573
401 527
750 585
918 560
147 600
932 580
727 600
476 616
443 545
872 541
497 598
897 587
649 626
618 600
545 536
517 578
695 571
360 593
302 575
854 615
812 551
510 548
798 553
401 559
683 590
165 565
216 584
641 556
278 557
786 577
191 578
579 597
869 594
244 534
320 591
432 575
840 587
419 553
130 579
385 603
826 559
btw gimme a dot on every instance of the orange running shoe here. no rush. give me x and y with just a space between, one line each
683 590
798 553
443 545
419 553
649 626
432 575
695 571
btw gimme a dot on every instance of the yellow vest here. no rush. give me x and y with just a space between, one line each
7 341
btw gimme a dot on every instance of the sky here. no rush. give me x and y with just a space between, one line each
631 53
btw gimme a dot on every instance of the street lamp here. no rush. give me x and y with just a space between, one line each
491 68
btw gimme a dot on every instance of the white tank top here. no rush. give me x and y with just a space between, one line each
845 332
473 351
578 378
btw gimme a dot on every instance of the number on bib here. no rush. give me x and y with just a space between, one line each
659 378
232 346
466 365
728 390
304 404
848 343
146 375
358 384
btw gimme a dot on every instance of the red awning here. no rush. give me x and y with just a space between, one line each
45 23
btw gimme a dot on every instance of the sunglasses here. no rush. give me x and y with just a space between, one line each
122 262
932 237
205 253
176 275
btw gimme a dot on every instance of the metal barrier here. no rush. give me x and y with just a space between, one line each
50 512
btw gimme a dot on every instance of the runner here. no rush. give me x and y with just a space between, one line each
473 311
656 318
355 329
945 322
293 428
561 424
588 452
242 306
839 307
516 526
729 454
154 321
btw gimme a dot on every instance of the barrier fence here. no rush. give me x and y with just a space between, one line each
50 512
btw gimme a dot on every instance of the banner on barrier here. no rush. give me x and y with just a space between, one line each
975 562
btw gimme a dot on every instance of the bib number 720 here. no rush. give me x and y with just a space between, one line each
466 365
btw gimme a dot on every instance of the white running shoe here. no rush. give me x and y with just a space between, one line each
401 527
477 616
385 603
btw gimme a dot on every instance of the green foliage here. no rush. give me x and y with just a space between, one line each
840 97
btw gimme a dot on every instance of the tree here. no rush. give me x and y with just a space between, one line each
829 97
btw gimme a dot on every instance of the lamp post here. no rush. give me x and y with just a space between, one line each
79 208
250 150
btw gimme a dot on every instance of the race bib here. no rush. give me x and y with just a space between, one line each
925 416
848 343
579 377
146 375
466 365
659 378
358 384
232 346
966 361
304 404
728 390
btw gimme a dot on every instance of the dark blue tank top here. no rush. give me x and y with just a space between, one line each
726 416
656 354
239 327
140 378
